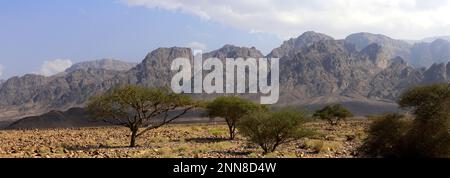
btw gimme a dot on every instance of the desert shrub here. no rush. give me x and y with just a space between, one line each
271 129
318 146
321 146
427 135
333 114
385 136
231 109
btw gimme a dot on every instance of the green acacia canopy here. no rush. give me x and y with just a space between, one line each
137 108
231 108
333 114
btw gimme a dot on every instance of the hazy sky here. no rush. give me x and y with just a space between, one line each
46 36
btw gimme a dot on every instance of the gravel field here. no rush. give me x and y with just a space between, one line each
176 141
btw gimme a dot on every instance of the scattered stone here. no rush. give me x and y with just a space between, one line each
171 141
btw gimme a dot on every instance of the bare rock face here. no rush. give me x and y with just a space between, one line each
420 54
291 46
154 71
230 51
326 68
437 73
35 94
392 81
337 69
426 54
107 64
395 48
377 54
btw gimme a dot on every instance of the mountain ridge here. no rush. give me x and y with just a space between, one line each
107 64
315 69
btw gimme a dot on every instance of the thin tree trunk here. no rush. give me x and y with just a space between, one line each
133 138
275 146
230 128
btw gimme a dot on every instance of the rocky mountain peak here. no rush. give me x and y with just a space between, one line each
154 70
436 73
162 57
440 48
391 48
231 51
425 54
327 47
293 45
107 64
310 37
440 42
431 39
364 39
167 54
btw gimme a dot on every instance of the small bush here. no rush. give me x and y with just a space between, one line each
321 146
333 114
271 129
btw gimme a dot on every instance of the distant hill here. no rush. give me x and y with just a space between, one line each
79 117
431 39
391 47
74 117
107 64
293 45
422 53
32 95
427 54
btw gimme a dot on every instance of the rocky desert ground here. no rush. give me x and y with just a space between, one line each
176 141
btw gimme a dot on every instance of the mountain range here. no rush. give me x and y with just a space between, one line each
366 72
431 39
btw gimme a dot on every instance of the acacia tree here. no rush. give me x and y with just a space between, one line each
385 135
272 129
333 114
139 109
232 109
429 135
